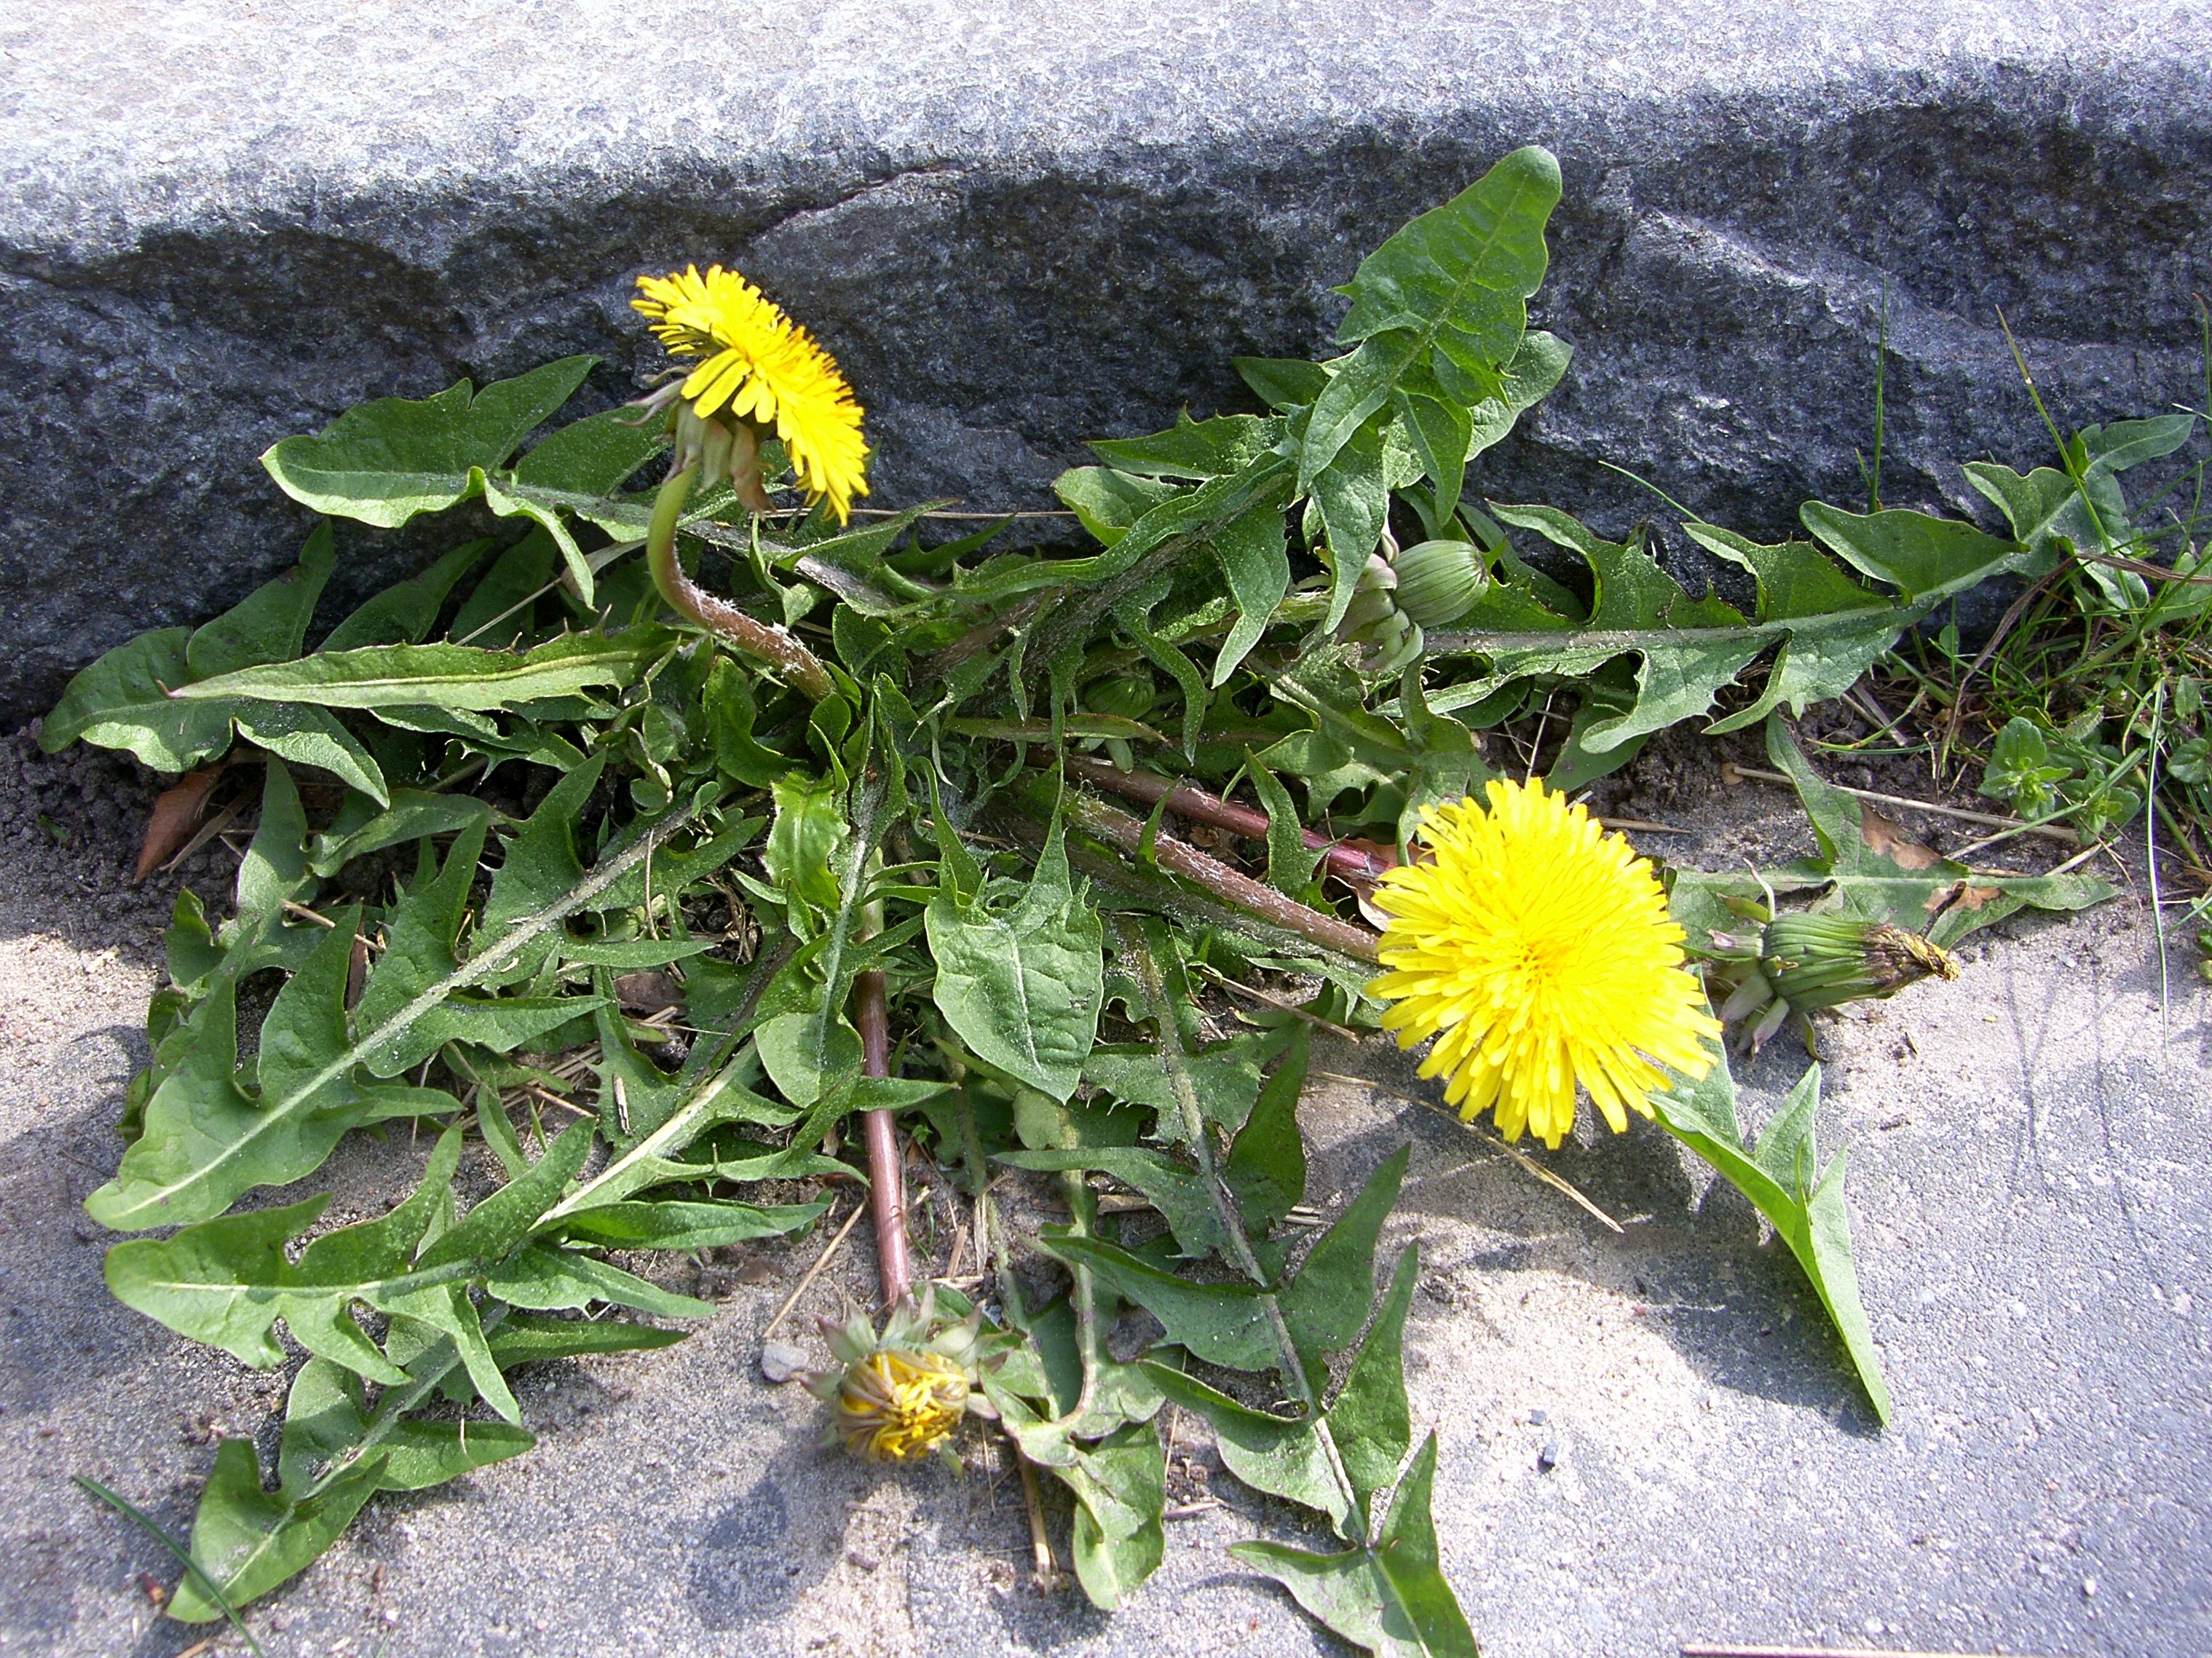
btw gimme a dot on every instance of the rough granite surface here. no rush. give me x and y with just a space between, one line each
1021 225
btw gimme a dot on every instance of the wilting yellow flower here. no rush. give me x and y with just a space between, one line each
898 1396
763 368
1536 949
897 1407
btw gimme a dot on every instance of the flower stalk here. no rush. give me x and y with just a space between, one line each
761 641
1358 862
886 1172
1232 886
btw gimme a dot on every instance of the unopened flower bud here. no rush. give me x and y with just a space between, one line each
1439 581
1823 961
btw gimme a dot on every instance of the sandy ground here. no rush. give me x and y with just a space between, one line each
2028 1195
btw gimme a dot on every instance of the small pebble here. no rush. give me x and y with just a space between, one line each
2088 1588
1548 1458
1538 1418
780 1361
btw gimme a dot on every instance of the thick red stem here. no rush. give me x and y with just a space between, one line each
758 639
886 1174
1231 885
1357 861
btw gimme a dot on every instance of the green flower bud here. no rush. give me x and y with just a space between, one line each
1130 696
1823 961
1439 581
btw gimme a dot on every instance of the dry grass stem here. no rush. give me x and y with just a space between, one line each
1044 1567
1280 1003
815 1271
1732 772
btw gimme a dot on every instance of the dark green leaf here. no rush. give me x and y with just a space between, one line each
384 462
1373 1427
1226 1076
1325 1304
500 610
249 1541
1919 555
1354 504
123 701
1120 1484
1171 1187
1803 1202
1251 550
206 1141
1107 502
1284 383
673 1225
412 815
1283 1456
1196 450
593 457
1441 306
271 624
522 1339
1224 1324
1392 1600
405 613
446 676
327 1418
1266 1169
1024 988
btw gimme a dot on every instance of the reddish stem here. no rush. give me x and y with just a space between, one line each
758 639
1232 886
1357 861
886 1173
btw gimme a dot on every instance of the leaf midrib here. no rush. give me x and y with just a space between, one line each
486 960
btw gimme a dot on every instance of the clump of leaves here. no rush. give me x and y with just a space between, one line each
2087 702
2094 695
1868 869
498 799
495 799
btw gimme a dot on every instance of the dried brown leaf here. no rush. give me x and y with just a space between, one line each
175 815
648 992
1887 837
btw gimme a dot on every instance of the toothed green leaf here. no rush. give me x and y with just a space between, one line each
386 461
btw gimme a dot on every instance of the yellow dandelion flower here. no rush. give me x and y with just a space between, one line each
762 368
898 1406
1536 949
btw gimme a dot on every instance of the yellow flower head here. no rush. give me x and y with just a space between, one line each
897 1405
1536 949
897 1396
761 367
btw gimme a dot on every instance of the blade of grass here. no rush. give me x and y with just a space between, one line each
146 1522
2150 843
